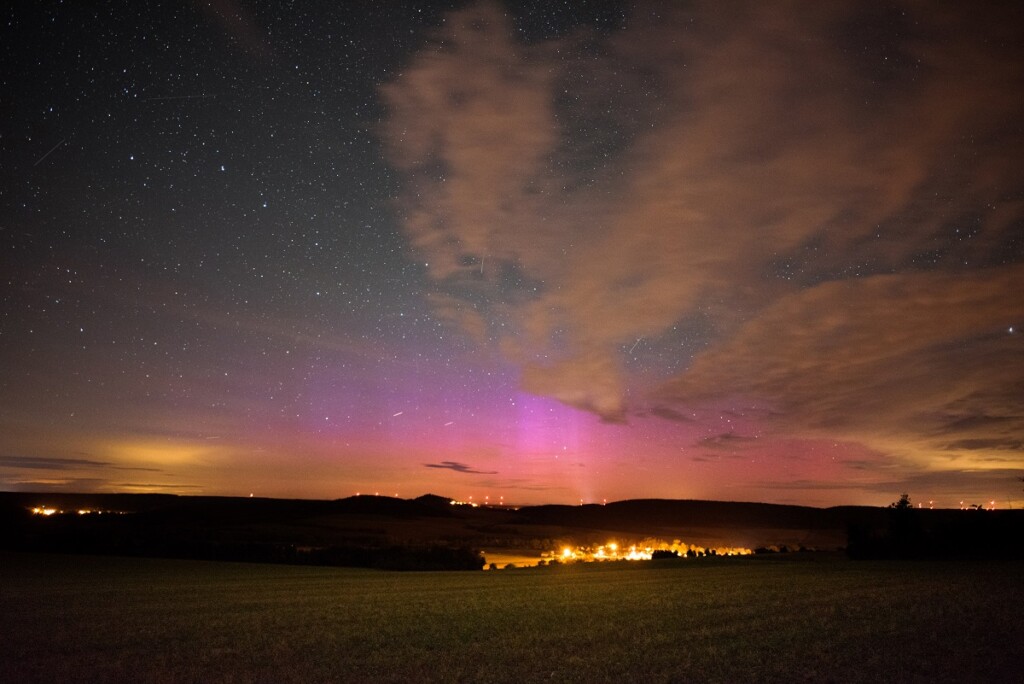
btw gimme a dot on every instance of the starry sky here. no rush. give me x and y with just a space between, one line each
521 252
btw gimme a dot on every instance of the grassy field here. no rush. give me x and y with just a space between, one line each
796 618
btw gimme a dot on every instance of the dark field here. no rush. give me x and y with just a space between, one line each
805 617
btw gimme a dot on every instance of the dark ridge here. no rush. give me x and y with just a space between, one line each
299 530
688 512
132 503
225 509
391 507
630 514
435 501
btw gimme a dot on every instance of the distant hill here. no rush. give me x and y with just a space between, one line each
214 509
637 513
433 517
160 524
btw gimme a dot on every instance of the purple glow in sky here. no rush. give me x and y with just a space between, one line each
535 252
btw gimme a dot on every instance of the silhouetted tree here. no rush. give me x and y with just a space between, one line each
902 504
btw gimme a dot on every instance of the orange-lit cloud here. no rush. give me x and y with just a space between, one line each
835 189
933 377
762 158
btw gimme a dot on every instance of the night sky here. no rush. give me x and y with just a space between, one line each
534 252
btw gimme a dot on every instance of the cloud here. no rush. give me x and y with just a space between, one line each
727 441
1012 445
156 486
670 414
459 468
589 381
43 463
825 186
916 366
77 484
998 483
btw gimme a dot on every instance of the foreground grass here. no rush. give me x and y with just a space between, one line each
67 618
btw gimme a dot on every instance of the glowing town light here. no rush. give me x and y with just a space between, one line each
610 551
44 510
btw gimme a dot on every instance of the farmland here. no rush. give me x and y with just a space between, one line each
802 617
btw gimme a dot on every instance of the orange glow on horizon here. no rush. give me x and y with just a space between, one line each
610 551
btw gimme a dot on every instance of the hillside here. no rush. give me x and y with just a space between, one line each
377 520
